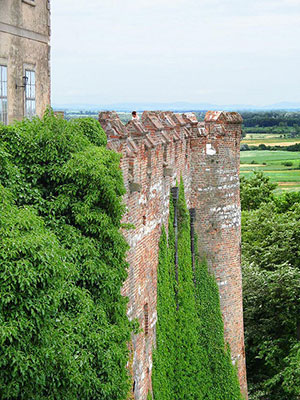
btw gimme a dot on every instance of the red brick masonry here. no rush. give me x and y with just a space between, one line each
156 151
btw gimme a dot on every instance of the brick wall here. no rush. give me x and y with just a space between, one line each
156 151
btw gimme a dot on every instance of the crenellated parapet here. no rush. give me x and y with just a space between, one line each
157 151
170 131
140 141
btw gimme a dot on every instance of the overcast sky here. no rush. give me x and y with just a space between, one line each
217 51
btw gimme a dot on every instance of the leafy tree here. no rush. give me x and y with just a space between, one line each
274 119
64 329
271 273
270 238
286 202
256 190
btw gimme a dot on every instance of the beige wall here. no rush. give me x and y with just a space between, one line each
24 43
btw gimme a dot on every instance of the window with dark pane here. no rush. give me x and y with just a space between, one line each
3 94
165 154
149 161
131 170
30 93
146 319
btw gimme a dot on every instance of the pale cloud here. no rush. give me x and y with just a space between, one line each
229 51
291 2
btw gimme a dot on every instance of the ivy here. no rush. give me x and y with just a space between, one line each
64 329
164 358
191 360
223 376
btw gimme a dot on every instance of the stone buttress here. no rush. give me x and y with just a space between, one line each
156 151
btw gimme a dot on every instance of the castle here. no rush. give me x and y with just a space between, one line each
156 152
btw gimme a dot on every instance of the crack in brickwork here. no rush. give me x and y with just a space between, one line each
156 152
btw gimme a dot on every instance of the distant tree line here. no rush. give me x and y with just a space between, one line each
271 118
262 146
261 121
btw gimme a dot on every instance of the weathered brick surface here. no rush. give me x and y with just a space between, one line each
156 151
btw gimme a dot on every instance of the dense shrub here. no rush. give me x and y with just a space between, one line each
64 329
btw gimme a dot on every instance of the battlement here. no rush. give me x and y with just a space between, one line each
157 151
151 122
161 127
223 117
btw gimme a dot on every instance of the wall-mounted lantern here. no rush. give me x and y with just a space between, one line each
24 82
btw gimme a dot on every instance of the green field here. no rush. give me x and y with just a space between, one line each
254 136
271 164
269 140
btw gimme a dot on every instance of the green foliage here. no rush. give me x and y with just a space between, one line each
164 358
64 329
270 238
261 119
222 376
149 396
256 190
190 359
191 381
291 372
271 274
264 147
90 128
287 163
286 202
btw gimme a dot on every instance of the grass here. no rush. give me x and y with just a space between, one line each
270 139
271 142
274 157
287 177
255 136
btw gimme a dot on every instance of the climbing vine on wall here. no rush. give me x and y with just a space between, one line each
191 360
63 324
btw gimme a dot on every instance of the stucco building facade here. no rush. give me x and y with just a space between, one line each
24 58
